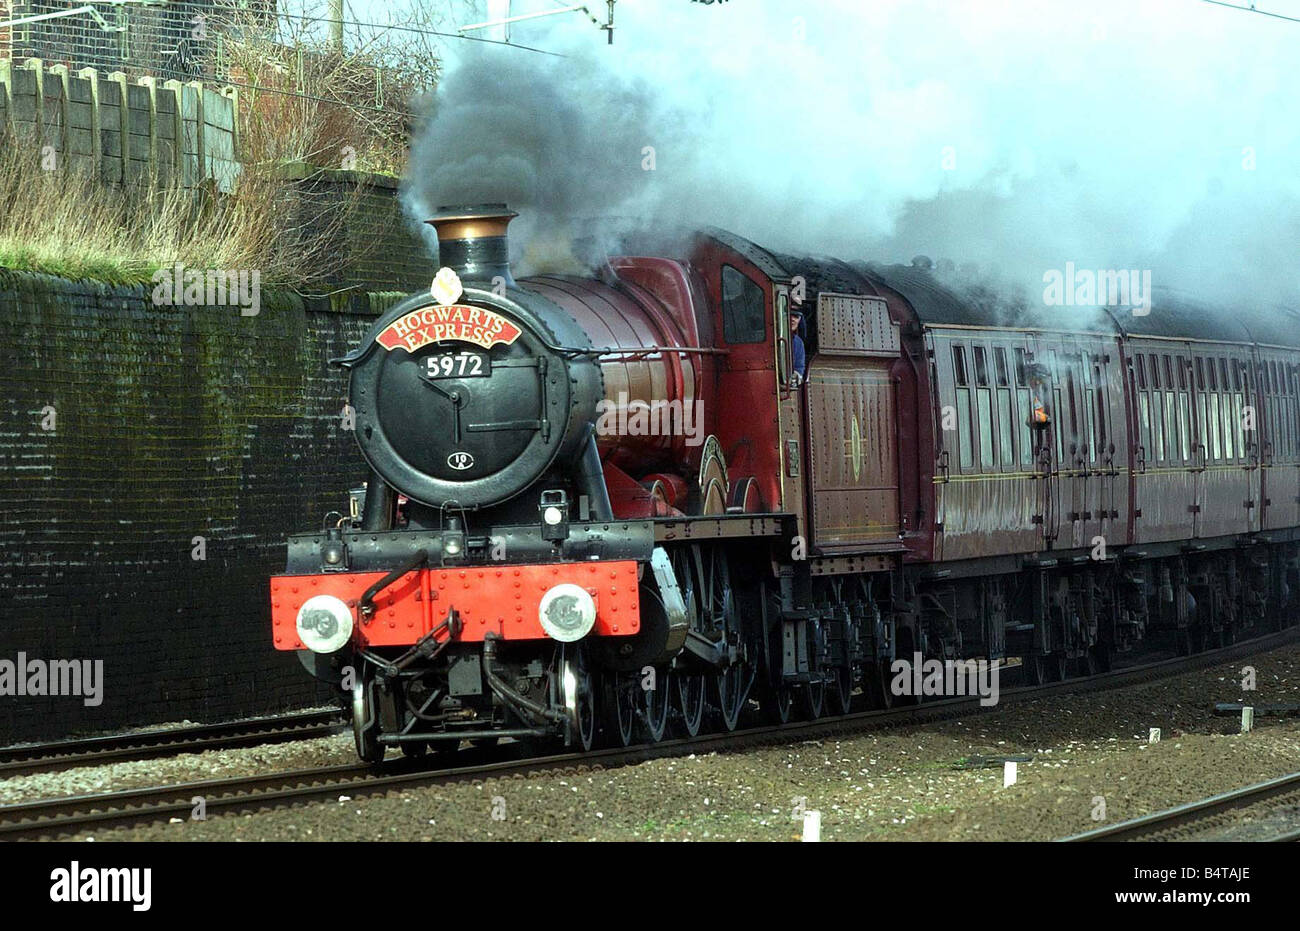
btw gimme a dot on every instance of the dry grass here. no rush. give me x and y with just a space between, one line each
303 100
66 223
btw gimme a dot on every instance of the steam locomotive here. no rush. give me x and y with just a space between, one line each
608 507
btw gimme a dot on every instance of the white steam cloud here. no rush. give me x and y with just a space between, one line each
1016 136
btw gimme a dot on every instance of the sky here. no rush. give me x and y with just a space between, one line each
1008 135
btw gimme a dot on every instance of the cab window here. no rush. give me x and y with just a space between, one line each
743 316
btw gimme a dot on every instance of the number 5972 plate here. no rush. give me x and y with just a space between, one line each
465 364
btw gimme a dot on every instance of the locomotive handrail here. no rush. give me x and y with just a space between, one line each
366 605
640 352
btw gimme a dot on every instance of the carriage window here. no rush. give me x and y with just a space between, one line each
981 368
1005 446
1169 373
1213 379
1238 416
1157 428
1155 371
1101 408
1022 377
1291 427
1203 425
1225 401
985 427
963 429
1141 374
1182 373
744 315
1056 428
1214 424
959 366
1026 440
1000 357
1144 424
1200 376
1090 404
1185 424
1236 375
1074 414
1171 420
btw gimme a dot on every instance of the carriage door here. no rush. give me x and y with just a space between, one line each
1253 430
1200 440
1105 494
1044 418
1075 465
1263 435
1138 412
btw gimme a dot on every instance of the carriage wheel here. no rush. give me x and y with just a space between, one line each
1058 666
842 691
875 683
1033 669
814 700
777 703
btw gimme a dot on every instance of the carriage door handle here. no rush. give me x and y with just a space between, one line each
1142 460
943 464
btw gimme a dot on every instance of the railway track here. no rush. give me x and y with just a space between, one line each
168 742
1201 817
74 814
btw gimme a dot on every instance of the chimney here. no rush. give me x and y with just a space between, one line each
472 241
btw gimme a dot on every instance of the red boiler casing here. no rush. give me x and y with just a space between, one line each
653 303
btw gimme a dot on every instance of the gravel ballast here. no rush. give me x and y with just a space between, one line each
1092 764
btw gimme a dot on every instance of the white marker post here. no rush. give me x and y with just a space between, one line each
1154 737
812 826
1008 773
1247 719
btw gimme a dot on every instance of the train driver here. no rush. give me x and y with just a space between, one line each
798 352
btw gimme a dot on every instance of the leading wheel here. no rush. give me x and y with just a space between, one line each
578 695
365 722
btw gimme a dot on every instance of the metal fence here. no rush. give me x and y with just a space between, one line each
178 40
